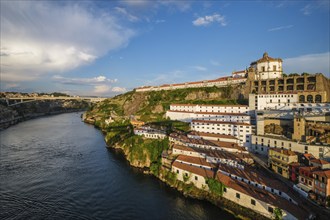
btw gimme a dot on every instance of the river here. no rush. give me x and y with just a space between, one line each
57 167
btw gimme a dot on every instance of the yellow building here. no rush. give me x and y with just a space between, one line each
279 160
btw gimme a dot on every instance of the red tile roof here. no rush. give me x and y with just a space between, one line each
284 151
262 195
193 169
220 122
194 160
210 113
179 104
319 161
212 135
325 173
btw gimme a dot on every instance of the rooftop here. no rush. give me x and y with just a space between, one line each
262 195
220 122
201 134
195 160
193 169
325 173
179 104
283 151
210 113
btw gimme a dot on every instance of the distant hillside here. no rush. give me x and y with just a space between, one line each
152 106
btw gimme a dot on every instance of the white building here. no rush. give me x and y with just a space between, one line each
267 67
212 137
261 143
150 133
220 82
192 174
242 109
242 131
216 116
259 200
283 101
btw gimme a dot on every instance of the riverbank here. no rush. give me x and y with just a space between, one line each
4 124
11 115
146 154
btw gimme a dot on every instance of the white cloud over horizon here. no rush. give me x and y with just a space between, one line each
310 63
100 84
280 28
199 68
39 38
209 19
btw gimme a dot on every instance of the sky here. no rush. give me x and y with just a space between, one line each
104 48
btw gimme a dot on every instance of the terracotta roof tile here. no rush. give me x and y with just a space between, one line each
193 169
220 122
195 160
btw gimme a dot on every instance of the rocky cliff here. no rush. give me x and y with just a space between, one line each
10 115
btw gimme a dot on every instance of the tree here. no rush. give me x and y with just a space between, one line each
215 186
278 214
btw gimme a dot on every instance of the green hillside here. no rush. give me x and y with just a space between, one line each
152 106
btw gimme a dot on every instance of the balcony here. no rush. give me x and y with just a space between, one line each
311 79
300 80
278 160
300 87
290 87
289 81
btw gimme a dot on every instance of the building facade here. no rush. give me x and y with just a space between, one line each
279 160
262 143
267 68
242 131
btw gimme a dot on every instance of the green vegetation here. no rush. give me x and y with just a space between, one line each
278 214
170 177
215 186
186 177
151 106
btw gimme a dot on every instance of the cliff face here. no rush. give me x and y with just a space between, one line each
15 114
152 106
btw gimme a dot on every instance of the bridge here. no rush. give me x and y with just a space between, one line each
25 99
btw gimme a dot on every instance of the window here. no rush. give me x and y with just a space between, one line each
270 209
224 189
196 178
177 171
238 195
253 202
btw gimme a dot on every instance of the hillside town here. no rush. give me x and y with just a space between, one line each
272 155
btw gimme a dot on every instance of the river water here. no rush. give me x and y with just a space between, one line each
57 167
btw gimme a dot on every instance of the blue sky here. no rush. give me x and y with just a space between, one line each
108 47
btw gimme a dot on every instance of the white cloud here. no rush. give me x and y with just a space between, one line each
40 37
100 89
127 15
215 63
280 28
175 4
199 68
311 63
209 19
164 78
83 81
316 5
307 9
118 89
160 21
11 85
